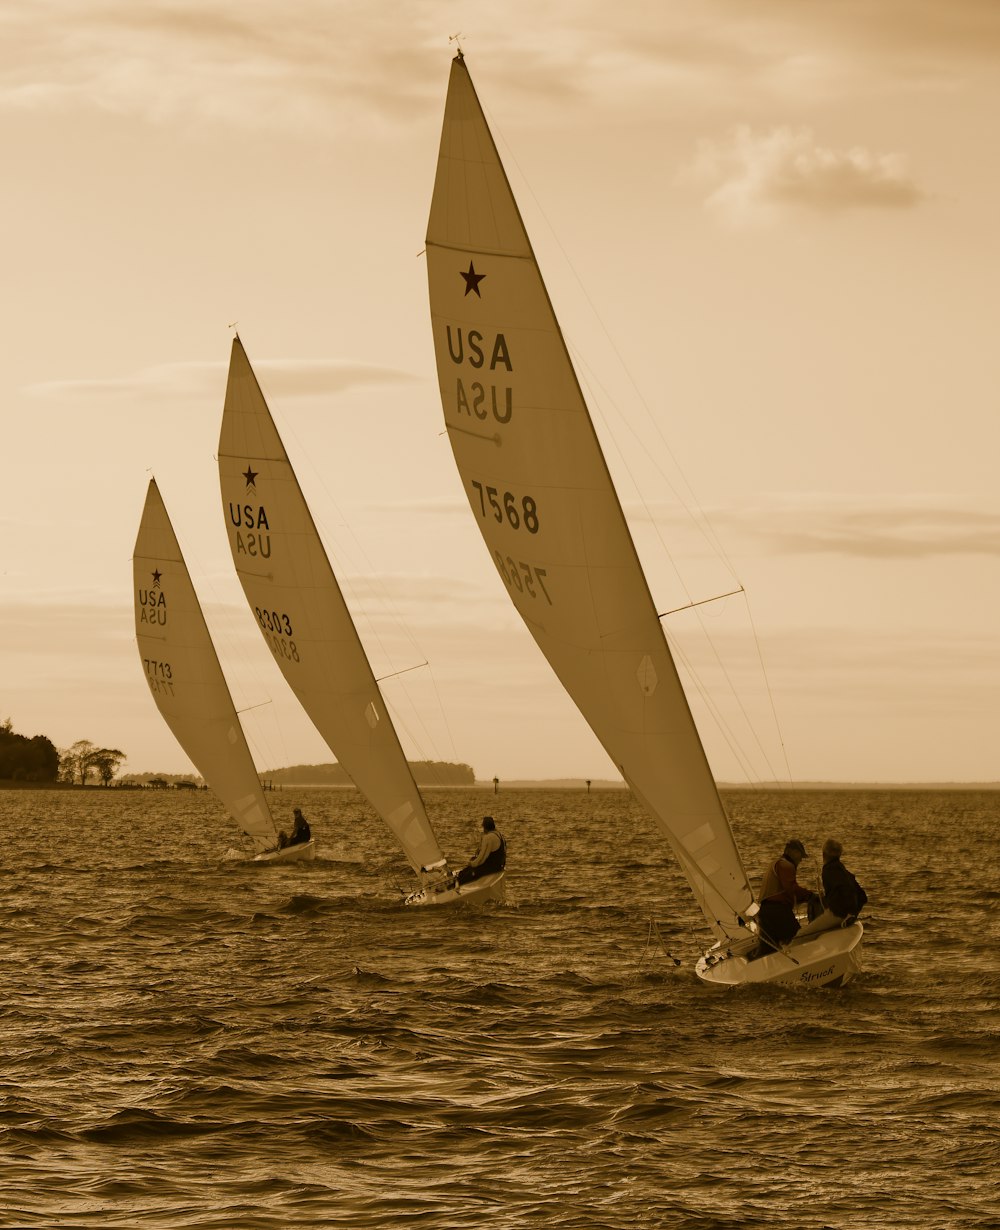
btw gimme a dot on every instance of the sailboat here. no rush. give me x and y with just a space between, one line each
301 612
541 493
188 686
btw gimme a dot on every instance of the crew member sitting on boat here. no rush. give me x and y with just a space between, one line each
779 894
490 857
843 896
300 831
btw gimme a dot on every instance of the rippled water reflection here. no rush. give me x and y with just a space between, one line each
190 1042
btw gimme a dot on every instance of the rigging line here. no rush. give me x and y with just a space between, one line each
770 695
467 431
701 602
601 395
404 671
711 705
701 522
260 705
510 158
721 554
380 594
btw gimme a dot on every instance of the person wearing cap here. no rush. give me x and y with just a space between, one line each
300 831
489 858
843 896
779 894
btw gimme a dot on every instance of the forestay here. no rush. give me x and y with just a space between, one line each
541 493
184 675
299 608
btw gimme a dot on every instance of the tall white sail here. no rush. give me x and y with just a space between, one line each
184 675
301 612
541 493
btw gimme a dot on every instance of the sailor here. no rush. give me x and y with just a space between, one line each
843 896
779 894
489 858
300 831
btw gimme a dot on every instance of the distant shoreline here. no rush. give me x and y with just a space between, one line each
566 783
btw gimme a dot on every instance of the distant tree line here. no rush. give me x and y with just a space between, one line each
36 759
425 773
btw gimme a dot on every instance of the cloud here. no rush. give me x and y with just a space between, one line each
283 66
173 381
910 527
308 66
758 177
918 530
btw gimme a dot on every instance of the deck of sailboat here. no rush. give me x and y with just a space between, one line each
301 852
825 959
476 892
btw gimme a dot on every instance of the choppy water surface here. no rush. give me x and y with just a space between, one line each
190 1042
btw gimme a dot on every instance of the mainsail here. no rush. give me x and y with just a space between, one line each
301 612
184 675
540 490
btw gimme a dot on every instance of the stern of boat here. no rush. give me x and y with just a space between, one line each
302 852
447 892
826 959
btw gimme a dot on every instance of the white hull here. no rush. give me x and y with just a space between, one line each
476 892
826 959
302 852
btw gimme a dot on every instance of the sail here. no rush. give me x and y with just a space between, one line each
540 491
184 675
299 608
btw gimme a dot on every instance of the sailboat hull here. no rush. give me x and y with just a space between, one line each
477 892
826 959
302 852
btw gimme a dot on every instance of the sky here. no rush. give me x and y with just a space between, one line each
769 231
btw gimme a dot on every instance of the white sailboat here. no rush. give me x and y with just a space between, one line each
300 610
540 491
187 683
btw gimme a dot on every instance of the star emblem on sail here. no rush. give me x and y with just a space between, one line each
156 578
472 279
251 477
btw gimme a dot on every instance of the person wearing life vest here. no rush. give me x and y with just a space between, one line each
489 858
779 894
843 896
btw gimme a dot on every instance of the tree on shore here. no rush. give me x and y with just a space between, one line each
83 758
105 762
75 763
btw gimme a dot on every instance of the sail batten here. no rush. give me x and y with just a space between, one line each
547 507
185 677
302 614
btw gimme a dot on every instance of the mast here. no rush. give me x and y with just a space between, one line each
185 677
301 612
541 492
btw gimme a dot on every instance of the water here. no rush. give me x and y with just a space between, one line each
189 1042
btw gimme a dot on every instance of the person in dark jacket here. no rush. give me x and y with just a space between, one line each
779 894
301 831
490 857
843 896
